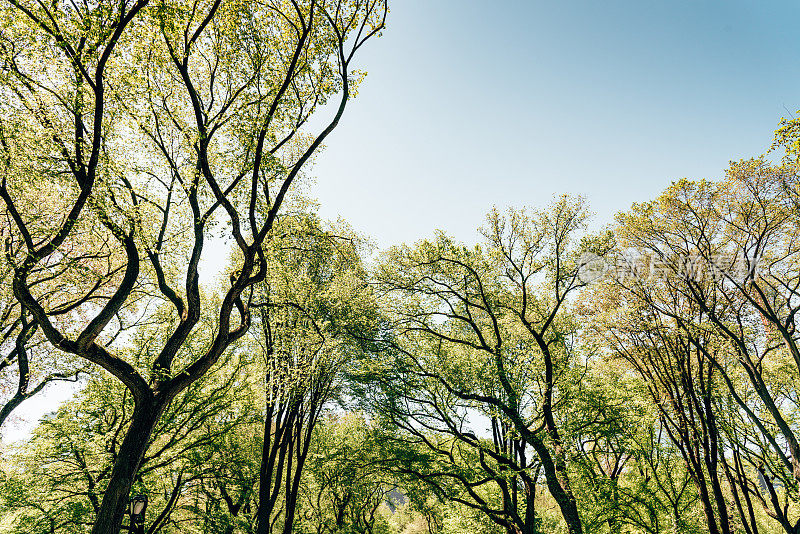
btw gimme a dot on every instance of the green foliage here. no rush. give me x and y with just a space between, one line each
448 388
347 486
57 477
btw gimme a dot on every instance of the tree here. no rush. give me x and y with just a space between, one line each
347 481
54 482
486 333
682 384
627 477
726 299
161 120
312 299
27 366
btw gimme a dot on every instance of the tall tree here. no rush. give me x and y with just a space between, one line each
683 386
162 120
723 303
487 331
312 298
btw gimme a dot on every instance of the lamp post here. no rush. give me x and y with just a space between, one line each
138 506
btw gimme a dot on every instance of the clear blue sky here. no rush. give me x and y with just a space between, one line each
472 103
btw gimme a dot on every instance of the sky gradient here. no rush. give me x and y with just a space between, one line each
469 104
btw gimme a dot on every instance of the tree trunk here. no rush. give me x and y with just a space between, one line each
291 497
530 508
131 452
554 473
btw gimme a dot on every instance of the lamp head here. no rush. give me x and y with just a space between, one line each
138 506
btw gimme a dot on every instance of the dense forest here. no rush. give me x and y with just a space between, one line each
551 378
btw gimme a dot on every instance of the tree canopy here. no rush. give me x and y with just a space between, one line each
552 377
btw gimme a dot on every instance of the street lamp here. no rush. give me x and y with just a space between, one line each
138 506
